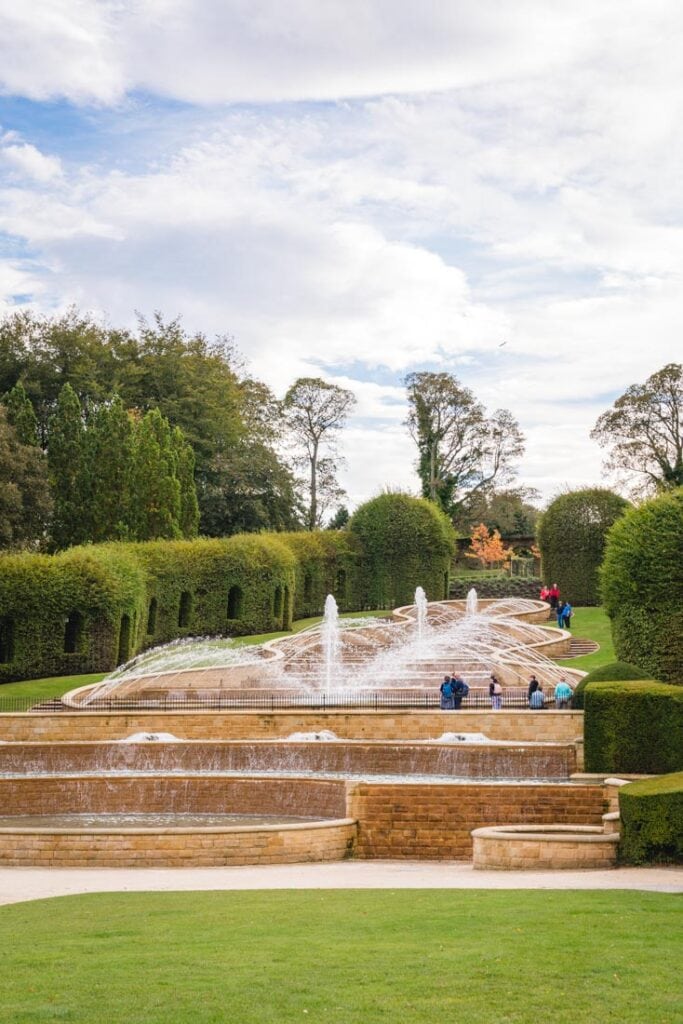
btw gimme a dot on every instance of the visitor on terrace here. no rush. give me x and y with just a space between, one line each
533 686
554 596
559 611
563 695
537 699
495 693
446 691
567 612
460 690
545 592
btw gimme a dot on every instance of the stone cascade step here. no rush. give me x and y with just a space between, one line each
578 647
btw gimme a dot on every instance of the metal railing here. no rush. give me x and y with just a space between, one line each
379 700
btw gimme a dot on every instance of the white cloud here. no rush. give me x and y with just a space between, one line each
28 162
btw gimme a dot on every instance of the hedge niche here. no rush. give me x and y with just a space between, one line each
633 727
405 543
326 563
642 586
571 537
652 820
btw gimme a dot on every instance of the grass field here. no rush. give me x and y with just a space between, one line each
344 957
592 624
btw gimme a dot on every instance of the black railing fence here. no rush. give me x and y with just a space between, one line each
233 701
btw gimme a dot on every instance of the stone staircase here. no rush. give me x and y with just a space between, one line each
579 647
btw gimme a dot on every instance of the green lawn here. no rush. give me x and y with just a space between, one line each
592 624
344 957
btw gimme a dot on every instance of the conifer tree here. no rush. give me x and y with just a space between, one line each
110 459
21 415
155 490
189 506
67 468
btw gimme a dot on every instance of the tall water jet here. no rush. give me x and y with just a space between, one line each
330 639
421 611
472 603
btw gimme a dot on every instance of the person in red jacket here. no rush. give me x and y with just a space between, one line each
554 596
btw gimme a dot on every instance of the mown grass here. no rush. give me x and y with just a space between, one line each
343 957
591 624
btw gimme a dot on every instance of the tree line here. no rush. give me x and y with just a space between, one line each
109 433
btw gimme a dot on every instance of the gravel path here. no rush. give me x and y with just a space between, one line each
20 884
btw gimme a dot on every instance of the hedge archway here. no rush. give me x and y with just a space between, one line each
571 536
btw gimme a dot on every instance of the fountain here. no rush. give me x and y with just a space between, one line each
472 603
421 605
315 779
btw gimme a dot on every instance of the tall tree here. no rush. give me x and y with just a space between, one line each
109 447
21 414
155 489
462 451
188 519
25 502
644 432
66 455
315 412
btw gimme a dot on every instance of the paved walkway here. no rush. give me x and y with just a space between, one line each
20 884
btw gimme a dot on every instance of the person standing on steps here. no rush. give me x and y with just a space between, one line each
563 695
460 690
495 693
446 691
537 699
533 686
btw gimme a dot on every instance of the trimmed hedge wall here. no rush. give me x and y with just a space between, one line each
508 586
652 820
571 536
633 727
89 609
405 543
642 586
615 670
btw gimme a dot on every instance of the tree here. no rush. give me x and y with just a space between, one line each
644 430
488 547
340 519
109 448
462 452
21 415
315 412
188 521
25 502
509 511
66 457
155 489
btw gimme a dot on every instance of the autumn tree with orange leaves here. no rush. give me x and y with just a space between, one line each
488 547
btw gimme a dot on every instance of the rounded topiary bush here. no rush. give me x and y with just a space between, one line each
642 586
571 536
405 542
614 671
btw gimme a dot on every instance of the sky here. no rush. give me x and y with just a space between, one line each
359 189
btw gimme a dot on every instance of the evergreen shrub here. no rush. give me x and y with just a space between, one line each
571 537
652 820
642 586
496 587
615 670
326 563
633 727
405 543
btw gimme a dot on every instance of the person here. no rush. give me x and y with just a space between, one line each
567 612
533 686
554 596
495 693
559 611
545 592
563 694
537 700
460 690
446 691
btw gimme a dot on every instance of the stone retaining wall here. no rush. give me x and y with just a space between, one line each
164 848
435 821
522 726
497 849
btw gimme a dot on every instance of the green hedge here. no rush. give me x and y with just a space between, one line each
613 672
405 543
571 536
642 586
88 609
652 820
633 727
497 587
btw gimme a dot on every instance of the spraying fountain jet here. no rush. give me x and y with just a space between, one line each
421 611
472 604
330 638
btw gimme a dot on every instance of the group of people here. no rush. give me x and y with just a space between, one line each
561 609
454 689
